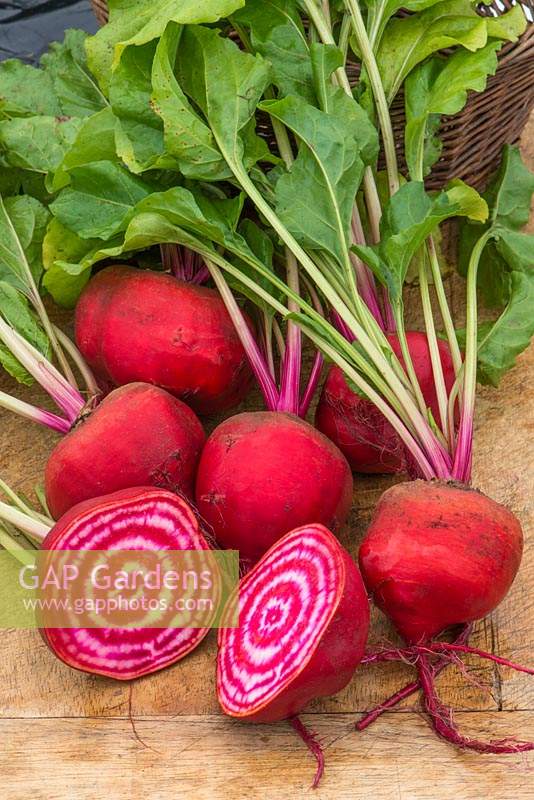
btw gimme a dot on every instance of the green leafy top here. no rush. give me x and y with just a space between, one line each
255 152
506 272
137 22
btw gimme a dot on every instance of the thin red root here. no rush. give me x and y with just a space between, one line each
392 701
446 647
404 654
312 743
442 719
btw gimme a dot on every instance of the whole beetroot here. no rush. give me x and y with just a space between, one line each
355 425
139 435
437 555
136 325
262 474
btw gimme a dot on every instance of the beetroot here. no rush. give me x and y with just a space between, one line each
303 623
261 474
133 519
138 435
364 436
134 325
436 555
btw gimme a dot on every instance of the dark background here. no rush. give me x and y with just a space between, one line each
27 26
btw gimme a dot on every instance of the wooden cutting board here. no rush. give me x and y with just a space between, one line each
66 735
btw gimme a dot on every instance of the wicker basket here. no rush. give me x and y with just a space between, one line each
474 138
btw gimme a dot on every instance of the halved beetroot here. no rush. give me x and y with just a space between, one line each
132 519
303 624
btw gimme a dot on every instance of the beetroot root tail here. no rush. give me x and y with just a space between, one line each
406 655
391 702
312 743
441 718
446 647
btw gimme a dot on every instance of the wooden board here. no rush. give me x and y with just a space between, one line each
67 735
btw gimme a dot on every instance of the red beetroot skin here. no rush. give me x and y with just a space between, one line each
135 325
355 425
158 520
437 555
262 474
139 435
336 651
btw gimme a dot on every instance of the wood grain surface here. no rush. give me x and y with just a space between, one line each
67 735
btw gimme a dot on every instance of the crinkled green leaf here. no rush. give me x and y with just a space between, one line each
469 202
62 245
408 41
325 60
315 198
516 248
26 91
226 212
503 341
95 141
65 282
139 129
187 137
23 222
136 22
75 87
508 26
226 84
15 310
179 206
440 86
276 32
381 11
99 200
36 143
410 216
511 191
509 197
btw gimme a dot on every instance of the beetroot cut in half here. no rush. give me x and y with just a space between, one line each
131 519
303 624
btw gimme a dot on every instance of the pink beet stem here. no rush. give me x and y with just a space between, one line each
184 264
257 361
391 325
312 743
364 276
291 367
292 359
341 326
442 719
313 380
